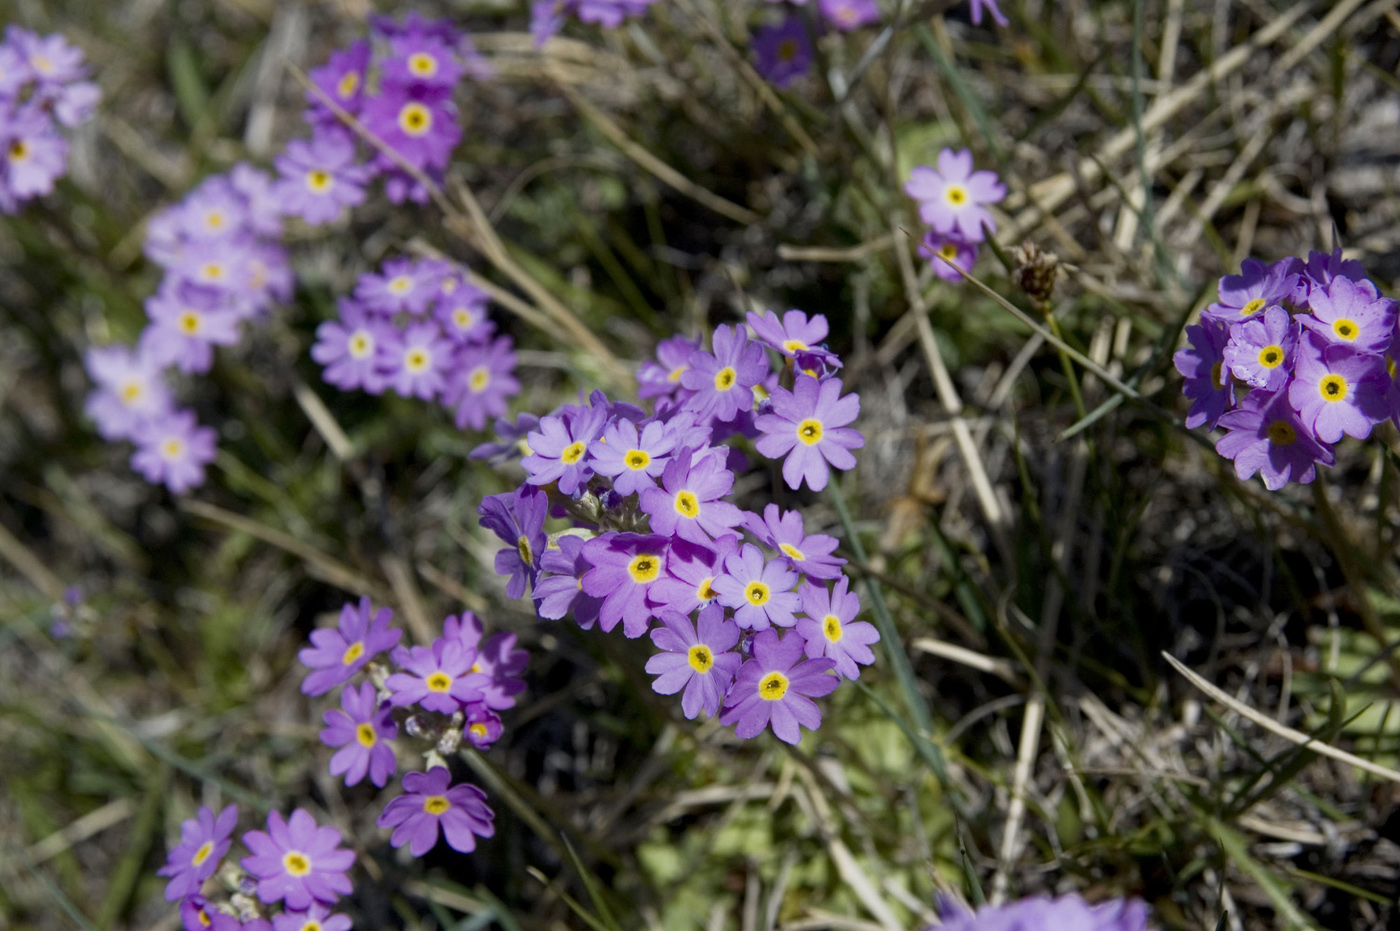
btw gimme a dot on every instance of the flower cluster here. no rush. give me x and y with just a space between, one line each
1292 356
439 695
953 202
224 266
739 599
547 16
420 328
293 875
42 87
1042 914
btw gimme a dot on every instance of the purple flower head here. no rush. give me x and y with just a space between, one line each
130 390
761 592
186 324
320 177
502 663
849 14
1260 352
196 914
297 861
1319 271
361 731
829 631
213 211
559 449
1202 363
461 309
991 7
50 60
401 285
1351 313
422 62
518 519
414 26
952 198
420 125
783 532
204 839
782 53
633 460
349 348
560 586
483 379
316 918
510 440
662 378
691 570
625 566
1042 914
774 687
701 663
1266 436
221 265
794 335
1339 390
439 677
173 449
808 425
723 380
1257 287
483 726
690 502
342 79
338 653
35 155
948 252
415 361
431 802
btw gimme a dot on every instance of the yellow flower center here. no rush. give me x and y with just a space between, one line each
700 657
956 194
202 854
365 734
1216 372
1281 433
757 594
311 925
436 804
462 318
478 731
422 65
41 64
480 378
18 151
809 431
213 271
1332 388
794 345
644 568
706 590
172 449
1346 329
415 119
131 392
214 220
948 251
449 285
772 686
438 682
831 627
792 552
787 50
296 863
1271 357
361 345
416 360
399 284
687 505
522 546
204 918
676 373
572 453
318 181
347 85
637 459
353 652
189 323
725 378
1252 308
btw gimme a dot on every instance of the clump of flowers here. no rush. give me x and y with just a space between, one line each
1292 356
953 201
736 602
42 89
1044 914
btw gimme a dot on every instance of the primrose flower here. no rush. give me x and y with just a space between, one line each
186 324
560 586
315 918
34 155
320 177
783 532
808 425
952 198
461 309
130 390
422 62
829 631
560 448
439 677
1257 287
774 688
632 460
349 348
1202 363
482 728
360 731
1320 269
625 566
1351 313
173 449
947 253
690 502
700 663
401 285
723 381
518 519
431 802
793 334
483 378
297 861
662 378
1339 390
414 361
782 53
760 591
1260 352
419 125
338 653
204 839
1267 436
849 14
1042 914
691 572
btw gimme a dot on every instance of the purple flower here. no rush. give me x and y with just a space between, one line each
461 309
1260 352
991 7
186 323
560 448
723 381
808 425
320 177
1202 363
420 125
422 61
298 862
1266 436
782 53
1257 287
849 14
953 197
625 566
794 334
783 532
1319 271
429 802
483 379
662 378
560 586
828 630
204 839
1339 390
633 461
518 519
401 285
761 592
1042 914
691 570
337 654
130 390
775 688
213 211
174 449
196 914
510 440
342 79
702 663
1351 313
502 664
948 252
440 677
414 362
316 918
360 731
348 348
690 502
35 155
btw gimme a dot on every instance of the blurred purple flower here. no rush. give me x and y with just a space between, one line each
320 177
482 380
782 53
298 861
338 653
204 839
174 449
430 802
360 731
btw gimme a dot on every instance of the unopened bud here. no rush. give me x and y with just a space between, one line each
1036 271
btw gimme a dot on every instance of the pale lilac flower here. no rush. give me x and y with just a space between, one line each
692 569
690 502
414 361
1351 313
560 586
338 653
517 518
173 449
361 731
400 285
953 198
830 631
420 61
342 79
482 380
760 591
625 566
1257 287
701 663
1260 351
1337 389
419 125
349 348
131 390
186 324
632 460
34 154
808 426
204 839
662 378
431 802
297 861
559 449
723 381
849 14
316 918
320 177
1067 913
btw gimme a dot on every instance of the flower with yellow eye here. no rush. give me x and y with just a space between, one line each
702 663
204 839
1337 390
625 566
431 803
1352 313
297 861
631 459
1260 352
759 590
953 198
337 653
808 425
361 731
831 630
777 687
